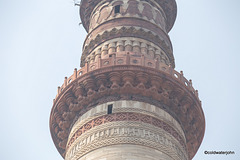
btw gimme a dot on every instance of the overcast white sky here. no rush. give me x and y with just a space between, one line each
41 43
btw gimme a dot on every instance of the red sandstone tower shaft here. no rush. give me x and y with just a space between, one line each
127 101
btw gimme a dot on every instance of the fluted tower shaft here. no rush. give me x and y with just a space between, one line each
127 101
133 26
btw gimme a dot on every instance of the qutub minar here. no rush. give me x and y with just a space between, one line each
127 102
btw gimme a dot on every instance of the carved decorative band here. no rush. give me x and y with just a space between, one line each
128 32
169 8
122 106
129 8
126 133
119 45
161 88
126 117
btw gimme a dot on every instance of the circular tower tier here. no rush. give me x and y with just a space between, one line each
169 8
143 20
127 97
127 101
126 129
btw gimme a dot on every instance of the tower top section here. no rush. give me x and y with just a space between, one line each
168 6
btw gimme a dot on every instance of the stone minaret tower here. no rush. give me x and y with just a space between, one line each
127 102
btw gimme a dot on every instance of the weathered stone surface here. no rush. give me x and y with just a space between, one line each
127 63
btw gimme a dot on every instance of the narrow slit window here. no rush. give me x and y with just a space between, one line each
109 111
117 9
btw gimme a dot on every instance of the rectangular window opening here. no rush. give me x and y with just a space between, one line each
117 9
110 109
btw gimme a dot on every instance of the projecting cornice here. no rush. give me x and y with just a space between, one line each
163 88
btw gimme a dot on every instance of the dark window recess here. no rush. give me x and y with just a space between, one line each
117 9
110 109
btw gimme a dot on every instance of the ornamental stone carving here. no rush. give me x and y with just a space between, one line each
125 116
168 8
128 106
119 45
122 85
126 133
128 9
159 40
127 99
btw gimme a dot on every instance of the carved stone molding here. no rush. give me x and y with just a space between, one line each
169 7
126 83
128 9
128 132
128 106
138 46
127 56
126 116
128 32
126 152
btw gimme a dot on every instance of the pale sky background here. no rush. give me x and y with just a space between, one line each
41 43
